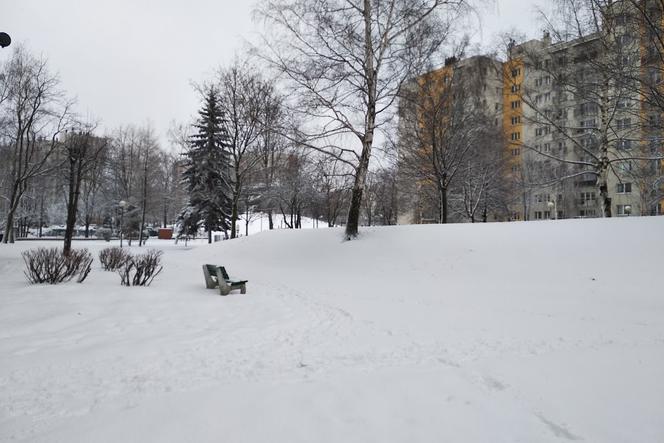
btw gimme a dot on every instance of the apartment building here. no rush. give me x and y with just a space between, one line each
576 136
457 94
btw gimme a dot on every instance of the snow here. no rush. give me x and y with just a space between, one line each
539 331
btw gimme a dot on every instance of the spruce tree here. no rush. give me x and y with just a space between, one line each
207 172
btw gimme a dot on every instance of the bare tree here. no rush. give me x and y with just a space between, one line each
272 145
443 119
243 99
149 150
347 60
82 150
333 180
34 114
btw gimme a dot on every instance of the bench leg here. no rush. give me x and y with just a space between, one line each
224 289
243 289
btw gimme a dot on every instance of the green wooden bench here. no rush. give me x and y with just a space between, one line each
216 276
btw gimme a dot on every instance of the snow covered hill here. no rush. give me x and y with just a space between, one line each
532 332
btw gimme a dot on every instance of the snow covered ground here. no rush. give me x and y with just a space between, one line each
531 332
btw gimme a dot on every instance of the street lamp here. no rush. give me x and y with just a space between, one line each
5 40
552 206
122 205
628 210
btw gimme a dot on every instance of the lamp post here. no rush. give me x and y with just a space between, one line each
628 210
5 40
552 205
122 205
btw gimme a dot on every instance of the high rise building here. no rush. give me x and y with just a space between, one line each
581 137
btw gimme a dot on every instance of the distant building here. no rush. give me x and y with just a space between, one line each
546 98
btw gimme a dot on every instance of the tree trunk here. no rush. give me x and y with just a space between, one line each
41 215
87 225
352 226
246 222
8 237
270 220
604 199
234 217
443 204
209 232
75 176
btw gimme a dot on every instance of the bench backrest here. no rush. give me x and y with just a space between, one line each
224 273
212 270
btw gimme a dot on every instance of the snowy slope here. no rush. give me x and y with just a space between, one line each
542 331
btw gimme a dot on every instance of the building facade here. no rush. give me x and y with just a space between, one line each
580 137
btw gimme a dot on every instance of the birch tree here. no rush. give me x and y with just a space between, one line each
346 61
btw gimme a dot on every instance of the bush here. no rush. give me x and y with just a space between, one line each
141 269
114 258
53 267
104 233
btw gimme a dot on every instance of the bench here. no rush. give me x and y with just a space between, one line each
216 276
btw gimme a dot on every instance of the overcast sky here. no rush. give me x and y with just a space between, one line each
133 61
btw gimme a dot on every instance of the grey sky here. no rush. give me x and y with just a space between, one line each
132 61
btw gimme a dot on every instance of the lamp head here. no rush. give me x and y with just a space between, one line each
5 39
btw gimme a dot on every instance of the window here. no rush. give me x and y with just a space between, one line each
586 213
538 215
624 144
516 72
538 82
516 135
547 80
623 103
547 147
497 107
625 166
654 121
623 188
515 168
544 130
516 120
587 198
624 210
547 97
547 215
623 123
516 151
516 88
515 104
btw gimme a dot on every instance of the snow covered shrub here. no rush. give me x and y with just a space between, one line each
141 269
104 233
114 258
53 266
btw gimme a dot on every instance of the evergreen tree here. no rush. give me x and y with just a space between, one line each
207 171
